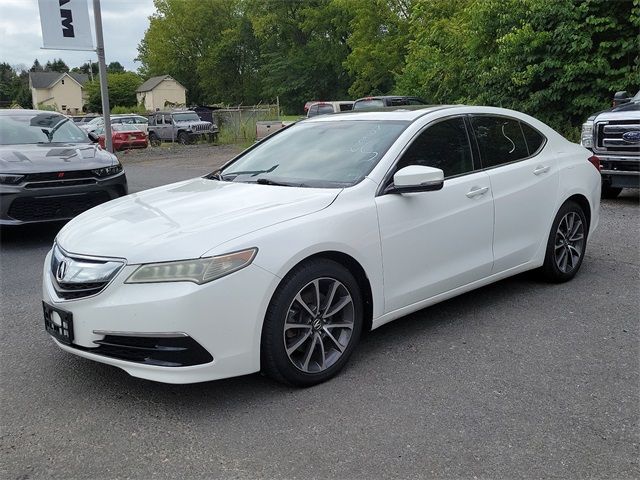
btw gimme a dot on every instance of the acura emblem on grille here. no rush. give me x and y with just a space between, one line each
631 137
61 270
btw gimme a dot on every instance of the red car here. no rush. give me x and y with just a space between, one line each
124 137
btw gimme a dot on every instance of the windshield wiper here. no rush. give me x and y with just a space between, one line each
253 173
268 181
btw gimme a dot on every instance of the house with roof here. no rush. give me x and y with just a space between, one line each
62 91
161 92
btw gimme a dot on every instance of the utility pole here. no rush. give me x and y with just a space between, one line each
91 69
102 70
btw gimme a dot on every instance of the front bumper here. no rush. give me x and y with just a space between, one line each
620 171
223 317
20 205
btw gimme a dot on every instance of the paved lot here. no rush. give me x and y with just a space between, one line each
516 380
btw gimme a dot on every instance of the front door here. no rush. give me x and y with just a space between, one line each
433 242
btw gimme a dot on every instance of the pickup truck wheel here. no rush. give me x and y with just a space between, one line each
154 140
610 192
183 138
566 244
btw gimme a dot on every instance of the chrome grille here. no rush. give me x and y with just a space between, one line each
81 277
609 137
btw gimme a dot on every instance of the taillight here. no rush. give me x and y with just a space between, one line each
595 161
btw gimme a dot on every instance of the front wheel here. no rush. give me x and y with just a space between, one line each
312 325
183 138
566 244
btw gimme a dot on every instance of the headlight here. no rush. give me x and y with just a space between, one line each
107 171
586 137
9 179
199 270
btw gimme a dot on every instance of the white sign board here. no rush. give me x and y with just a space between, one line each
65 25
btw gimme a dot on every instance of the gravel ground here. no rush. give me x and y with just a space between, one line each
519 379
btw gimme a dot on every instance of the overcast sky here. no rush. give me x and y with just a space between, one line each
123 22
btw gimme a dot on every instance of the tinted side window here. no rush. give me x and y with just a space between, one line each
500 140
444 145
344 107
533 137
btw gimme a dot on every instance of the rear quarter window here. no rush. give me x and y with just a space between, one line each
535 140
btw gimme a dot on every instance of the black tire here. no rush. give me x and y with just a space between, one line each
610 192
154 140
552 270
183 138
280 365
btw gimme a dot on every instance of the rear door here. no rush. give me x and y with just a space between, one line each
524 180
433 242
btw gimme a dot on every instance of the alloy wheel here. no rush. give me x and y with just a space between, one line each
319 325
569 242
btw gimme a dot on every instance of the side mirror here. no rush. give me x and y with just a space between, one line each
621 97
416 178
93 137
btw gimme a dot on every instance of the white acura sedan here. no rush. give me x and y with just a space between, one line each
333 226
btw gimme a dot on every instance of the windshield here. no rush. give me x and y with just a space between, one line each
186 117
317 154
95 121
41 127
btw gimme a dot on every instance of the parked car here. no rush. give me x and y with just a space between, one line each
322 108
92 124
332 226
614 136
124 136
182 126
140 122
50 171
386 101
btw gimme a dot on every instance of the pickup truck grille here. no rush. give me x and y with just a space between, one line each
609 137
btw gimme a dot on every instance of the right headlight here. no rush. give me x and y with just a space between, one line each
198 270
586 137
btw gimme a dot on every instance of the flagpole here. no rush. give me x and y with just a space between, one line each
102 71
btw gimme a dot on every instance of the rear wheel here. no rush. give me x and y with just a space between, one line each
154 140
566 244
312 325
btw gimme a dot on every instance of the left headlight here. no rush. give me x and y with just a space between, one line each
10 179
586 136
107 171
199 270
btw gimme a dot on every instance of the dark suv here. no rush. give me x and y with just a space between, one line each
386 101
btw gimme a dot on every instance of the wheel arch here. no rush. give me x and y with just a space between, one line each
583 202
356 269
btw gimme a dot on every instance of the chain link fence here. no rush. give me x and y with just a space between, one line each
239 123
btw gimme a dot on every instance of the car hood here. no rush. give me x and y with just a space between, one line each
59 157
186 219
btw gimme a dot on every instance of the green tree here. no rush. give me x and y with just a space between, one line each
559 61
122 91
303 48
57 65
378 37
88 68
115 67
36 67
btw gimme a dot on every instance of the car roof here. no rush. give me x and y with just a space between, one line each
382 97
403 113
25 111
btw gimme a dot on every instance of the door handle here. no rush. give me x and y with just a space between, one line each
477 191
540 170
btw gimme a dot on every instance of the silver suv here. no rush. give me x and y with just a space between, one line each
183 126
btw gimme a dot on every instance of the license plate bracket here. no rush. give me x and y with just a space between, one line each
58 323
